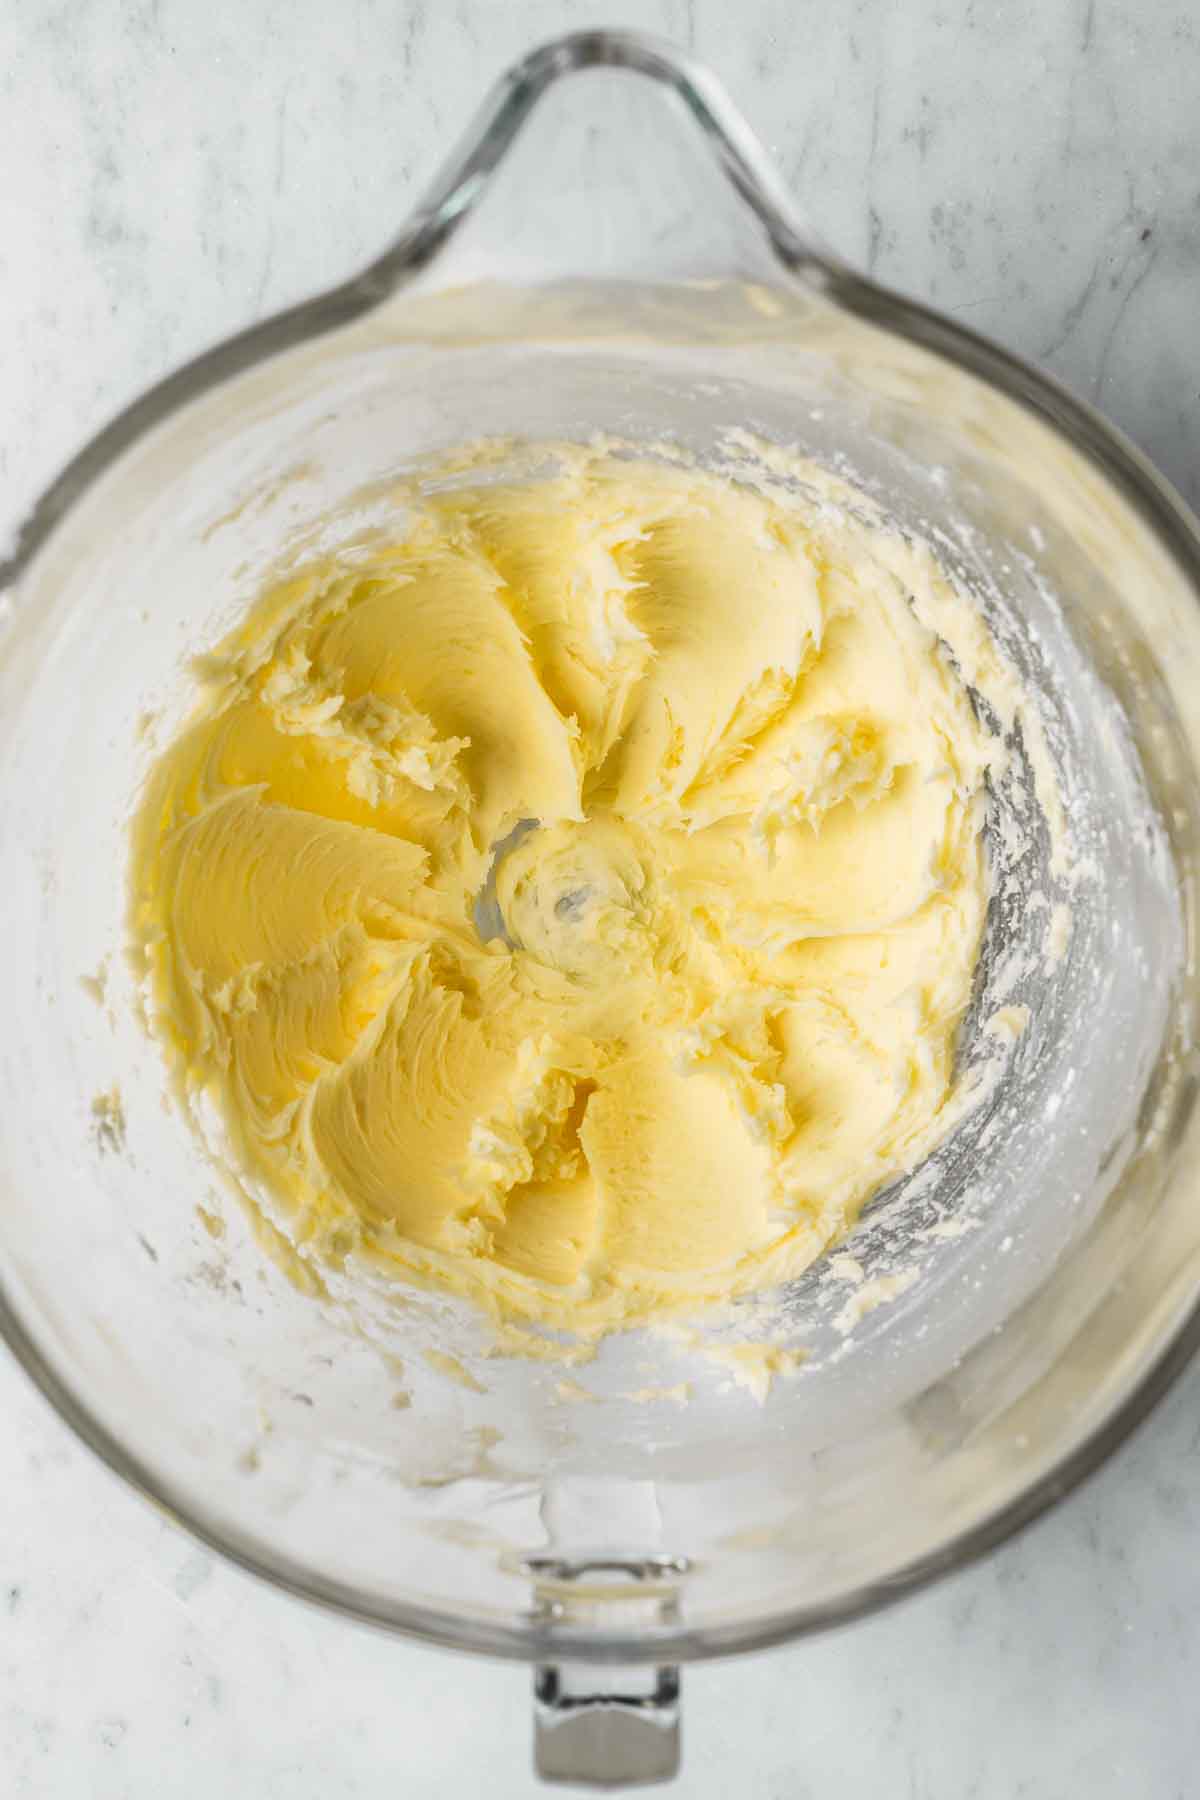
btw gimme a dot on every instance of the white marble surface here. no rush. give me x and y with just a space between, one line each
173 170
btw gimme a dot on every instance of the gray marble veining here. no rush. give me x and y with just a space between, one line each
174 170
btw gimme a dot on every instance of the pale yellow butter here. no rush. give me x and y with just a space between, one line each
740 918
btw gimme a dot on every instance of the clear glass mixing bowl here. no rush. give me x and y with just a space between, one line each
610 253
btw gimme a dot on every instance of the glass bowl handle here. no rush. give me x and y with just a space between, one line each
748 205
